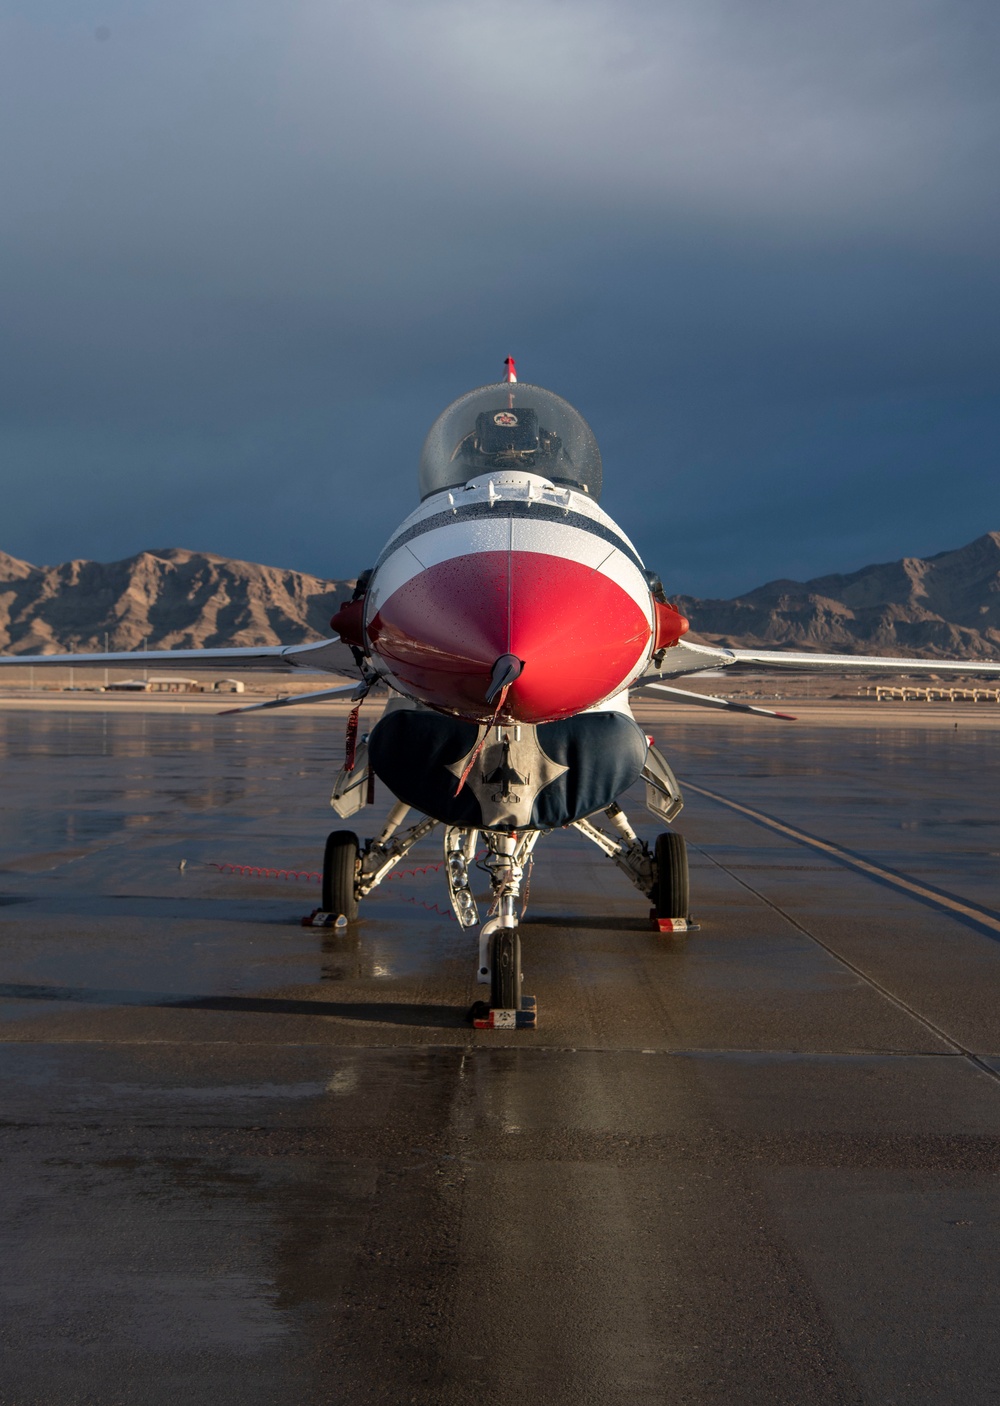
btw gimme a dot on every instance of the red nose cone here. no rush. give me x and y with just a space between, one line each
580 634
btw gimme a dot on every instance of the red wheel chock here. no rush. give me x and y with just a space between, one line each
492 1018
318 919
672 924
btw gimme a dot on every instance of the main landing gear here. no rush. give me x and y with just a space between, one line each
671 894
340 872
661 873
351 871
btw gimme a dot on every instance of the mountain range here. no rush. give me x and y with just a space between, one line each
944 605
169 599
933 607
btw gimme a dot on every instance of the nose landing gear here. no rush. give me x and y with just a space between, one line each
499 942
350 873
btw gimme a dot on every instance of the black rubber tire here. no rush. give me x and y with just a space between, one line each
505 970
340 870
672 896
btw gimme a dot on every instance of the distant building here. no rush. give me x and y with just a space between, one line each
127 686
175 684
229 686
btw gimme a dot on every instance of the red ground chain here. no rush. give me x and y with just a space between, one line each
431 907
257 871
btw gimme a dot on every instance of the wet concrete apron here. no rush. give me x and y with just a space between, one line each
244 1161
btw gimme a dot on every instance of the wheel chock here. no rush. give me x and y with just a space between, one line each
494 1018
673 924
319 919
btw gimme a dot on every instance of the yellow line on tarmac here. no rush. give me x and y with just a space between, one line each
942 900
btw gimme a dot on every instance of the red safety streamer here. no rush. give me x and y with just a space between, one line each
476 751
351 738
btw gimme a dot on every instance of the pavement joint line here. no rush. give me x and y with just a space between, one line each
957 1047
854 861
688 1051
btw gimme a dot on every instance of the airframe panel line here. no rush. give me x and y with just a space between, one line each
864 866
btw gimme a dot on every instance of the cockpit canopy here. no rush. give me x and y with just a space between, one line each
511 425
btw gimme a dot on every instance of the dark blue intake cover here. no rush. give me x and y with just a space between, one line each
411 751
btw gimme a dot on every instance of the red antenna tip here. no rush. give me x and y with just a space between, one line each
511 369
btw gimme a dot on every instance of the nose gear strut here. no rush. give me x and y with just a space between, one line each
499 943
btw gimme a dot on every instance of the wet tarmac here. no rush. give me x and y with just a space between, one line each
246 1161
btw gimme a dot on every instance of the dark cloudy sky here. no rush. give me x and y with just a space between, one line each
249 250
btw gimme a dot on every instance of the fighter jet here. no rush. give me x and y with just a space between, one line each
509 618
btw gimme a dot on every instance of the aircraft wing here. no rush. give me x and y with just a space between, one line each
690 658
294 700
325 656
860 663
711 700
686 657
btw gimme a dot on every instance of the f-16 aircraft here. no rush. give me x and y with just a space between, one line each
509 618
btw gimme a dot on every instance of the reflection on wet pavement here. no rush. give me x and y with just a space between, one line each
247 1161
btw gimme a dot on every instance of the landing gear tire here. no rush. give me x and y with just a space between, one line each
672 894
340 869
505 969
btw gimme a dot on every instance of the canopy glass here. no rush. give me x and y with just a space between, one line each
511 425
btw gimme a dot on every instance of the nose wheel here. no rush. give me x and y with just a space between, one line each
499 940
505 970
508 1008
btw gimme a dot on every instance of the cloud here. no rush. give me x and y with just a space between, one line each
248 251
197 122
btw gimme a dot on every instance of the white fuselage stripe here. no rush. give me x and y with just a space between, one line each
466 537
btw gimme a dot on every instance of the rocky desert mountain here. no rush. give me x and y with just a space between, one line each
170 599
945 605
